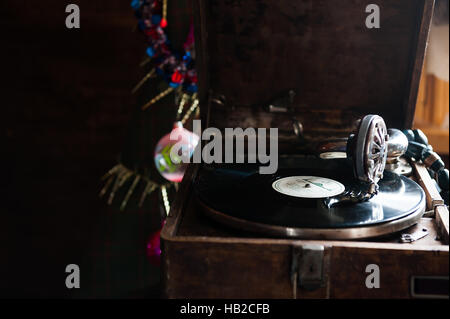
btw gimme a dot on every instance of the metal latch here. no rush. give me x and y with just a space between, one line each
409 238
307 267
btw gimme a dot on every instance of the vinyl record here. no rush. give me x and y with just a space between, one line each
291 203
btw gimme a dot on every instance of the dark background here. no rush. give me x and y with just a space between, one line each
66 105
66 115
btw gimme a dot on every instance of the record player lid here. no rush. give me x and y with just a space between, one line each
252 51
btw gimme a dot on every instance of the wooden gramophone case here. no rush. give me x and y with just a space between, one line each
250 52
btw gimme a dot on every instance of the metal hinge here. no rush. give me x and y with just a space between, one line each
307 267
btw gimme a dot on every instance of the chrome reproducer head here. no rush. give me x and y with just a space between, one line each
368 150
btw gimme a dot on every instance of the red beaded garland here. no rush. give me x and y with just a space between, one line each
163 23
177 77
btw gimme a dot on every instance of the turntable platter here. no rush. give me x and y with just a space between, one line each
281 204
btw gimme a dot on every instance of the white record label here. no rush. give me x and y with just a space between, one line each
308 186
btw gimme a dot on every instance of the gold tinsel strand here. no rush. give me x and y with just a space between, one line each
145 61
165 199
184 99
157 98
141 82
130 192
148 190
189 112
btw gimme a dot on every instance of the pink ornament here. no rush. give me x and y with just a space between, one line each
154 248
173 151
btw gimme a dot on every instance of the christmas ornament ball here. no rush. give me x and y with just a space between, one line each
173 152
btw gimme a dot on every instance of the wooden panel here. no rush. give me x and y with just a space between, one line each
424 179
437 137
442 220
251 268
322 49
432 112
240 270
396 268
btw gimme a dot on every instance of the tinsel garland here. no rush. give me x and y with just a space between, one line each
178 70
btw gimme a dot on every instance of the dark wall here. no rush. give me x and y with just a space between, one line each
65 106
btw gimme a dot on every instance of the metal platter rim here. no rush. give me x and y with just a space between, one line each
360 232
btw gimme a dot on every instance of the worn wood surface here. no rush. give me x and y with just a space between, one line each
340 70
249 270
424 179
396 269
420 41
442 221
227 263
